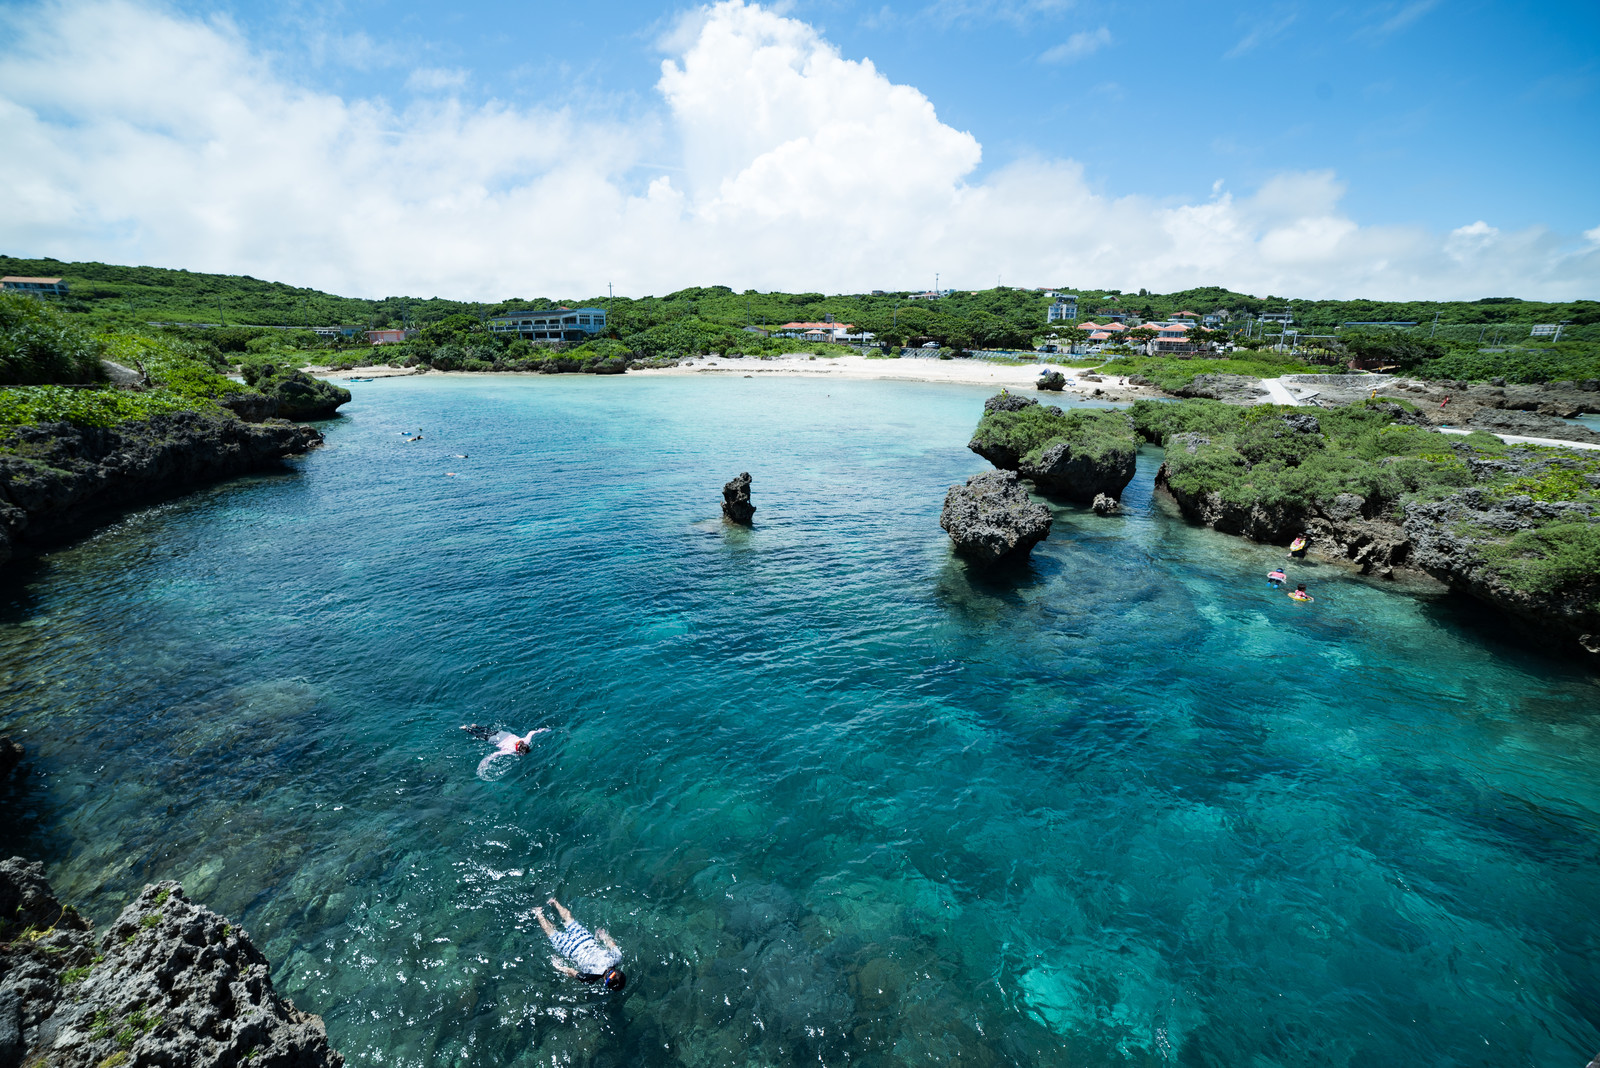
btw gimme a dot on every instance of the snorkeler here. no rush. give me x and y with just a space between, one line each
1299 594
506 743
594 961
1276 578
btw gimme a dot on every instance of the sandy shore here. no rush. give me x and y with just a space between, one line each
959 372
336 374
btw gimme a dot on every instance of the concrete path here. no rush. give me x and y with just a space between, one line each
1513 439
1278 393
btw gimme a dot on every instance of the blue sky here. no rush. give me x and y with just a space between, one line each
1424 147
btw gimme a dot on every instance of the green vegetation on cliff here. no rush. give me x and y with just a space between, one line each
1537 509
54 373
37 346
1027 431
1171 373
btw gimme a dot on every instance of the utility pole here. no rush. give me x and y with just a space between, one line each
609 294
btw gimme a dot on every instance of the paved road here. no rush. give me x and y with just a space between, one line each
1513 439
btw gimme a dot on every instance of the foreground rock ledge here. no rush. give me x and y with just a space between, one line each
57 479
170 983
992 518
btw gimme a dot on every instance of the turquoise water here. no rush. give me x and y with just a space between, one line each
838 799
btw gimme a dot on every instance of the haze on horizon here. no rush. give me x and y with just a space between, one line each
1405 150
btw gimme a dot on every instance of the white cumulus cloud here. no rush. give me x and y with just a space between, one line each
137 135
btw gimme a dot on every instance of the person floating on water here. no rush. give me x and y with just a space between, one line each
1298 546
1299 594
1276 578
506 743
574 942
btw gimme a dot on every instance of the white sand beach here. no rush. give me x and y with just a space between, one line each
914 369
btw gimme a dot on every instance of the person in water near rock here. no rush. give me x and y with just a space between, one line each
1299 594
595 961
505 743
1297 547
1276 578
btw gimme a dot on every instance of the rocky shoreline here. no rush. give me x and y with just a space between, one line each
168 983
57 479
1485 519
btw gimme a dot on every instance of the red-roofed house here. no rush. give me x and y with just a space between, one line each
828 331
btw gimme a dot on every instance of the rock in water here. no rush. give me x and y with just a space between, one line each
1007 401
736 504
1104 505
173 984
992 517
1054 381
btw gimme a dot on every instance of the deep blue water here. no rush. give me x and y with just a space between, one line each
839 800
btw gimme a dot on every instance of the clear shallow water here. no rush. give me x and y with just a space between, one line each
839 800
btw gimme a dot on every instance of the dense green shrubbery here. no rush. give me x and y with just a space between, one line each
21 405
1026 432
1395 348
180 379
1562 361
39 345
1549 558
178 366
1171 373
1255 456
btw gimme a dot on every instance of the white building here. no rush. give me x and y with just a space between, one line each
1064 309
552 324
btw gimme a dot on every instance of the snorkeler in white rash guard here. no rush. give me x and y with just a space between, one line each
505 743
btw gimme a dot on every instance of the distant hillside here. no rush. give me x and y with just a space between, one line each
158 294
999 317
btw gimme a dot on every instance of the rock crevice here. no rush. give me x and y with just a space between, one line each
169 983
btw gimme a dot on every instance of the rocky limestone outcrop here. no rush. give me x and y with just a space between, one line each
1237 389
289 393
1104 505
1051 381
1441 544
56 479
1007 401
736 506
991 518
1431 537
169 983
1074 474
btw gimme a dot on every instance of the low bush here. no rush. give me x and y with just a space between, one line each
1171 374
1269 456
39 345
1026 432
1558 362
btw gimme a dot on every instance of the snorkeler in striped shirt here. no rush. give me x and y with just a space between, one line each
594 961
